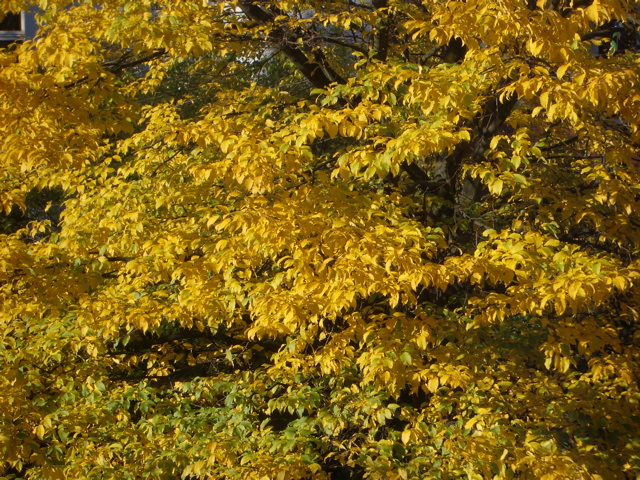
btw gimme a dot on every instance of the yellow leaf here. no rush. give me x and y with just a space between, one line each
560 303
561 71
496 186
544 99
505 452
573 289
39 431
579 79
620 282
433 383
332 129
535 47
213 219
471 422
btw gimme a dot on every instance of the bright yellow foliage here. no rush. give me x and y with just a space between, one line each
279 240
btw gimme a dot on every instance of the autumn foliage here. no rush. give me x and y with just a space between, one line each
279 240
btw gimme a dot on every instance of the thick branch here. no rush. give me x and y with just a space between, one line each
431 53
486 124
317 70
608 33
494 114
117 66
381 39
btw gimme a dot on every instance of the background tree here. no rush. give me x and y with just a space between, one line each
363 239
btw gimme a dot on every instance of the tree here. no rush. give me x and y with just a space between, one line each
321 240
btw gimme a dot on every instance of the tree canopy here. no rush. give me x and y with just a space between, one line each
349 239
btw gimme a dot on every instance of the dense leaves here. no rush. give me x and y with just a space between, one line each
292 240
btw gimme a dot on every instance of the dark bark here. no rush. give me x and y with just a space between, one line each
485 126
455 51
122 63
605 33
381 39
144 342
447 166
316 70
560 6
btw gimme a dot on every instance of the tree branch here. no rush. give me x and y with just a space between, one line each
317 71
381 39
486 125
115 67
352 46
608 33
560 144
